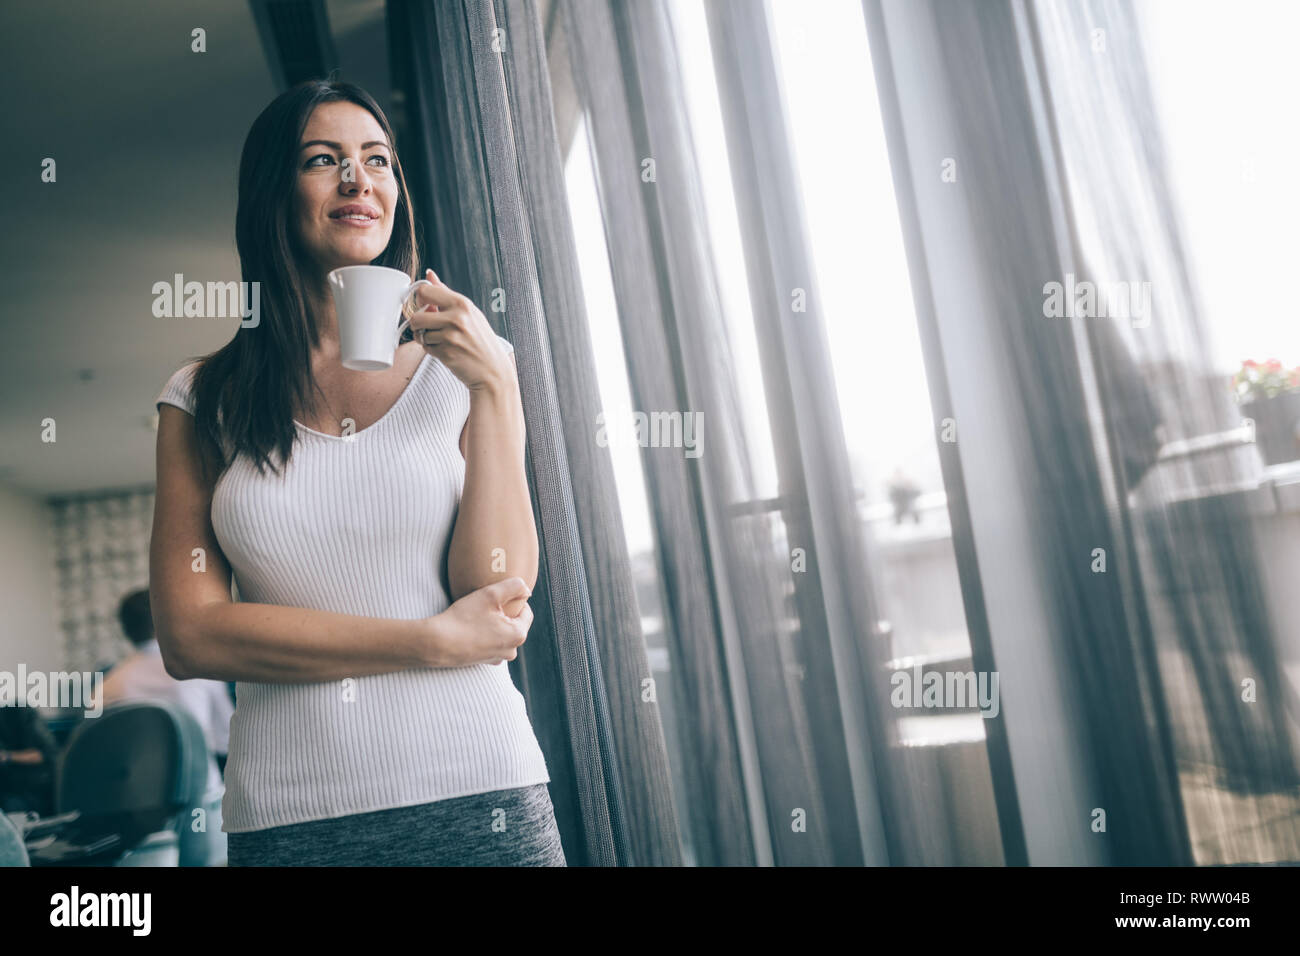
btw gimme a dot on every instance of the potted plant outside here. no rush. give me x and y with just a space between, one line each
1269 395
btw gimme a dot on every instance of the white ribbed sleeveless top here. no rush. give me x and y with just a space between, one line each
361 525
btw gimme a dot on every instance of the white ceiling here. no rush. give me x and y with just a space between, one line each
146 136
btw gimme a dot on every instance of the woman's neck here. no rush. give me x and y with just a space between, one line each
320 309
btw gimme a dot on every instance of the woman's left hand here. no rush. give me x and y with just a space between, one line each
459 335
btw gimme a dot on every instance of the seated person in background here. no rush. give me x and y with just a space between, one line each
142 676
27 755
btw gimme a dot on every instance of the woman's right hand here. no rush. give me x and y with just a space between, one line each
477 630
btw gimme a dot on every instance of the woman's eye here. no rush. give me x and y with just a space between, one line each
316 161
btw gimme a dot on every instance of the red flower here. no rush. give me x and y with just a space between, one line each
1250 363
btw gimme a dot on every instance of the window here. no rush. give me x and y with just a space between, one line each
1230 144
616 404
862 276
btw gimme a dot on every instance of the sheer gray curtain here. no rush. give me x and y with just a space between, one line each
1195 515
1077 746
715 755
780 727
488 175
1119 586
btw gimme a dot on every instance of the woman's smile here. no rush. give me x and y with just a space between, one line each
357 216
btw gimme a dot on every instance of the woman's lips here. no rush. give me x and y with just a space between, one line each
356 223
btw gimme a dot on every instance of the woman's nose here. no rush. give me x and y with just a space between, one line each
353 178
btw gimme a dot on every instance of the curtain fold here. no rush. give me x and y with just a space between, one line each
721 778
1122 590
836 605
636 726
998 750
769 600
461 72
1199 567
1092 773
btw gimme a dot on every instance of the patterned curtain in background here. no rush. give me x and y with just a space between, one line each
101 552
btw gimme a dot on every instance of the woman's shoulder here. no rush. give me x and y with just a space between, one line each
180 387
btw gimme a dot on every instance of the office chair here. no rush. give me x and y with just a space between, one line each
141 767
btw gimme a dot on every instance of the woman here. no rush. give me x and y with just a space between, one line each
377 525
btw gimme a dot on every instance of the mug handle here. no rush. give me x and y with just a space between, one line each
407 312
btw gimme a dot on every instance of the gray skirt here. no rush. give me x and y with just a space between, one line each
513 827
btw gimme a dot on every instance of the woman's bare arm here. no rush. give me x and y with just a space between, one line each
203 633
496 510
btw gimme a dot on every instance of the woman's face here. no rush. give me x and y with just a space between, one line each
347 190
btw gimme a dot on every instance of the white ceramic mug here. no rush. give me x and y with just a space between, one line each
368 299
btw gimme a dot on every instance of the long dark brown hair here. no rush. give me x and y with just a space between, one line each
245 393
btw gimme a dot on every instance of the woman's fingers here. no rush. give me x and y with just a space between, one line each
438 321
435 294
431 328
440 327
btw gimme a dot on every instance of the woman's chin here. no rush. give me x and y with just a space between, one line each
354 257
